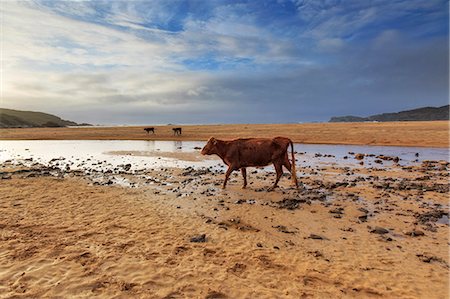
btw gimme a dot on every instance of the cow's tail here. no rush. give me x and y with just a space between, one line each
293 171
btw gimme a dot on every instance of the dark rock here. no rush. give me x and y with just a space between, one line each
199 239
363 218
431 216
290 203
430 258
6 176
215 295
415 233
363 210
193 172
316 253
379 230
283 229
339 211
359 156
317 237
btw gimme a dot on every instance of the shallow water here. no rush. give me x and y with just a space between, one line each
96 154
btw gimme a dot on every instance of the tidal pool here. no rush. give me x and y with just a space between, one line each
104 155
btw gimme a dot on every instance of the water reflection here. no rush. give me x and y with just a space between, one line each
177 145
150 145
145 153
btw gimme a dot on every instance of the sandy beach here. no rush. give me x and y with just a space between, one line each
419 133
367 232
224 149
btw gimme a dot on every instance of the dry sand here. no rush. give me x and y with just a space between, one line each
424 134
65 237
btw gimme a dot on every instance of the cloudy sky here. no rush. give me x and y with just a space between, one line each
208 61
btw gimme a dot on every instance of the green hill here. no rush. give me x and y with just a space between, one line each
25 119
420 114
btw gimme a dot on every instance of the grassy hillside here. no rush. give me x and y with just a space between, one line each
420 114
25 119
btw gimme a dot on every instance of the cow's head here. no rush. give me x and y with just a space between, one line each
210 147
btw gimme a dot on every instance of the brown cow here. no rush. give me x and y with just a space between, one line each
242 153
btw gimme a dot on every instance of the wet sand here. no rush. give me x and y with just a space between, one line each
421 134
347 233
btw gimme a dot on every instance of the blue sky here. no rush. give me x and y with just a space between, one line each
157 62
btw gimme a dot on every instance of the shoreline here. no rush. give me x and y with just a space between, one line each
408 134
198 140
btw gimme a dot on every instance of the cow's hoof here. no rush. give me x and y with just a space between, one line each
244 187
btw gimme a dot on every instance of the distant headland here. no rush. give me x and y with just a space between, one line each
420 114
29 119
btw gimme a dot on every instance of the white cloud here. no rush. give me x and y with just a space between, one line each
67 60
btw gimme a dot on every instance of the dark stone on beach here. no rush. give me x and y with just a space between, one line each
415 233
193 172
6 176
316 253
363 218
283 229
431 216
339 211
215 295
379 230
290 203
430 258
359 156
363 210
199 239
337 185
317 237
127 167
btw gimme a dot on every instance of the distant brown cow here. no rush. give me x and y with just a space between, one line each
242 153
176 131
148 130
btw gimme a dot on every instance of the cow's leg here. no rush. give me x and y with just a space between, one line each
244 174
227 175
279 170
286 163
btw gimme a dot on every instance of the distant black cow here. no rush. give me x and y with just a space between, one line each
148 130
176 131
